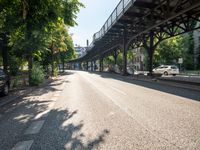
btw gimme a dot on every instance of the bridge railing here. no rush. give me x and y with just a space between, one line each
121 8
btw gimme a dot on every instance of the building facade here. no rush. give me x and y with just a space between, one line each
80 51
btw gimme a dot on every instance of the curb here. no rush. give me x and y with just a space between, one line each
184 85
13 98
180 81
175 83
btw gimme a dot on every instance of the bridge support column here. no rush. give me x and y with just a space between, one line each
150 47
124 73
92 66
101 65
115 56
87 66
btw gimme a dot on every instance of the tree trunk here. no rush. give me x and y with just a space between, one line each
52 60
63 64
5 50
30 66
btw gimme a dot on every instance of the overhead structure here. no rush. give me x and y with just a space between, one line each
137 23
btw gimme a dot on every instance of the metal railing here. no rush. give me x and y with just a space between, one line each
121 8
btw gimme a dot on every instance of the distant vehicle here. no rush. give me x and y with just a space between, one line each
166 70
4 83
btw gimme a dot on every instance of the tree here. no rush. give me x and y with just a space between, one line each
47 13
26 26
171 49
8 23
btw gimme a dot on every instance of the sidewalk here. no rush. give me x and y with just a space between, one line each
191 83
18 93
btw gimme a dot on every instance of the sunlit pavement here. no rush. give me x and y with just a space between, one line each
83 110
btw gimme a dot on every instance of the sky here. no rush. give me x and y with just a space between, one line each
91 18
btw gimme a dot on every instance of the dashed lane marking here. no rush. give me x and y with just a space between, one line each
119 91
24 145
35 127
42 114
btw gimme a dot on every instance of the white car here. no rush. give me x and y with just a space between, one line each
166 70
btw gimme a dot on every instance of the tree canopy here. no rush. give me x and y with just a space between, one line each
35 30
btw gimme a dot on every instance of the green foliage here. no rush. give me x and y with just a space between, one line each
37 75
14 66
56 72
109 60
171 49
131 55
38 30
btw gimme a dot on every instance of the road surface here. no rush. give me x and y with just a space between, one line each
84 110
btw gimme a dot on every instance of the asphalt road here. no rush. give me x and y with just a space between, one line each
83 110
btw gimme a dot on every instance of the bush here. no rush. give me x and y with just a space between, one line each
37 75
16 81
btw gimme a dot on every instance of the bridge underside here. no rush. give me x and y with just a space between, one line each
143 23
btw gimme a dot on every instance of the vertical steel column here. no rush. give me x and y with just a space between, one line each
87 65
150 50
115 57
94 65
92 69
101 64
124 52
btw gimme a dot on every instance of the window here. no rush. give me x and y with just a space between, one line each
173 67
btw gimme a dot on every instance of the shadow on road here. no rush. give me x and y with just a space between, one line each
194 95
58 131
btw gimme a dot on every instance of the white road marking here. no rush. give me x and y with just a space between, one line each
42 114
35 127
118 90
24 145
123 108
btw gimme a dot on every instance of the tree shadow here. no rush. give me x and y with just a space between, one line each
61 133
58 132
186 93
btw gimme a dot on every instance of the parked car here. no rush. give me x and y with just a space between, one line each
4 83
166 70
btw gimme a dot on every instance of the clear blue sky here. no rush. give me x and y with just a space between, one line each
91 19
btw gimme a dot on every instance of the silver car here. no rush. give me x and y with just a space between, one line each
166 70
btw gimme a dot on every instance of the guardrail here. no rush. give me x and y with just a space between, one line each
121 8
